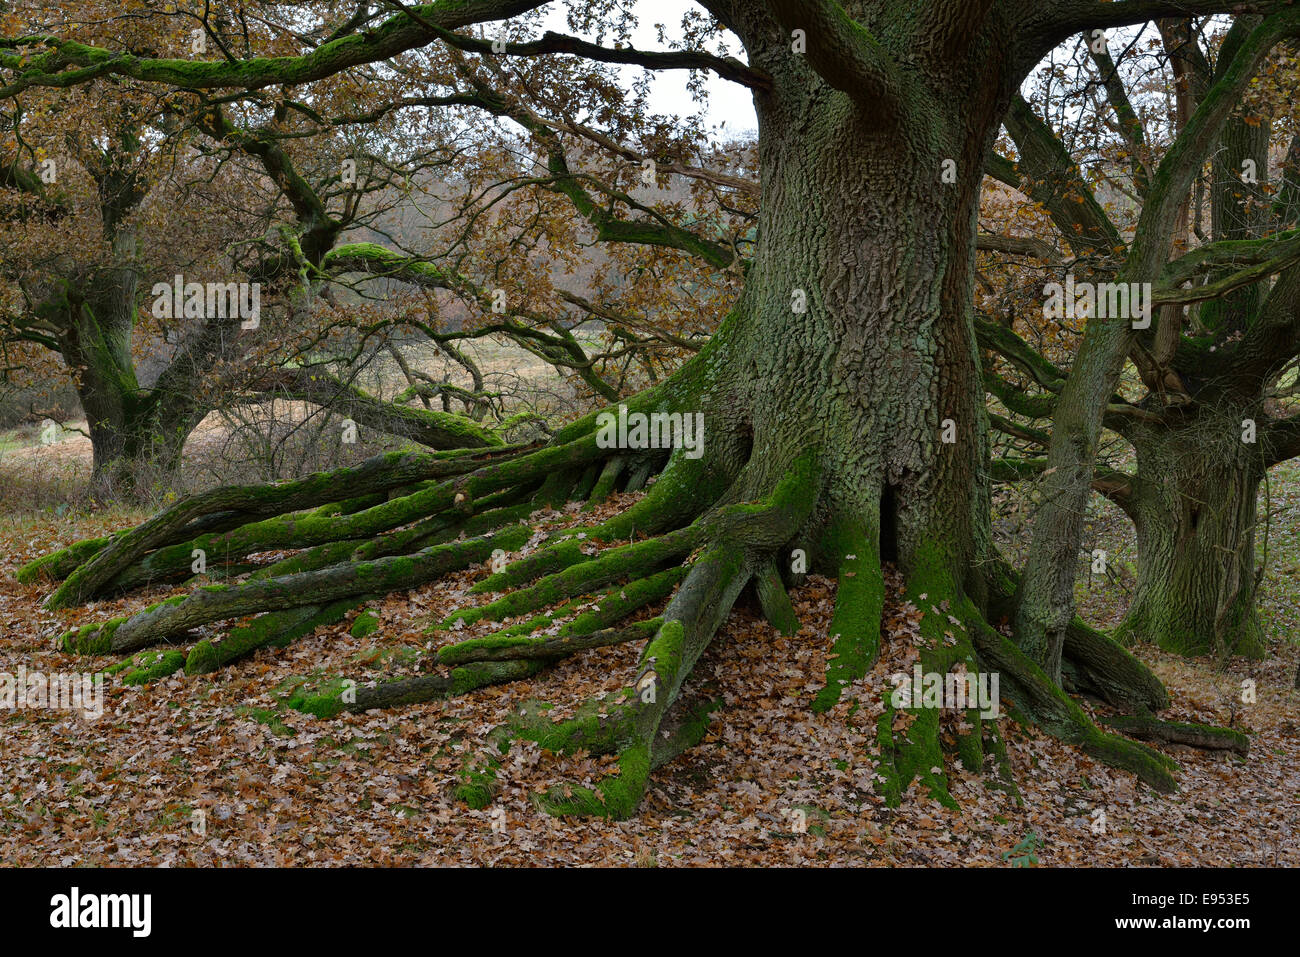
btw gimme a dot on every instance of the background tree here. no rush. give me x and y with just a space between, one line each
1203 412
321 180
91 181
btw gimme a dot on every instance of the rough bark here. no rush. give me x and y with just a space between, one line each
1194 507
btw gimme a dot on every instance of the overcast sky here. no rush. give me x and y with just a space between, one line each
729 103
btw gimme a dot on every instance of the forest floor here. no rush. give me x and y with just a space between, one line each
772 783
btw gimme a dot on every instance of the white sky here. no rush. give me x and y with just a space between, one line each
729 103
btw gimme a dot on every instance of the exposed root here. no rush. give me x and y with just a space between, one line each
703 529
1204 736
529 640
149 666
1091 660
954 634
774 600
909 737
272 630
1049 707
218 602
859 601
609 566
630 726
457 496
345 694
508 655
739 539
57 566
609 475
682 728
398 521
255 502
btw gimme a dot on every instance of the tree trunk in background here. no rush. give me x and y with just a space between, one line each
1194 508
132 430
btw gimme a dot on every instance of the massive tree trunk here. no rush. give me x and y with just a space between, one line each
1046 602
1194 507
129 427
1193 499
853 336
94 310
843 416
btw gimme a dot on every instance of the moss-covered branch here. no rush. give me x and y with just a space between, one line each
437 430
219 602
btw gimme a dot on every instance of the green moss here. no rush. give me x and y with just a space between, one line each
311 559
888 784
665 651
402 566
323 701
272 629
606 609
1059 715
294 531
600 726
696 725
60 564
519 635
685 489
605 482
92 639
615 797
859 601
366 624
547 561
919 756
916 754
269 717
202 659
1148 764
152 665
624 562
970 746
479 674
177 599
478 783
